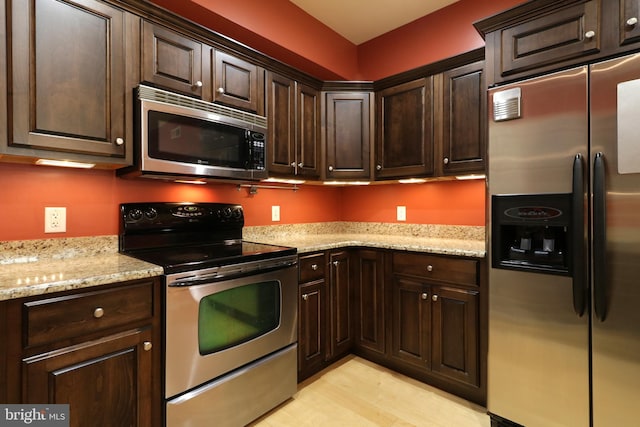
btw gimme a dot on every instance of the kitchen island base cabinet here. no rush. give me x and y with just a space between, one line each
96 349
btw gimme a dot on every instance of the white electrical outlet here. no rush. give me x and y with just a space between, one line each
55 220
401 213
275 213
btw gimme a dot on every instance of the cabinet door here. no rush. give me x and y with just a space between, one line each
405 130
629 22
463 120
238 83
281 101
106 382
411 323
307 131
174 61
563 35
69 80
312 328
369 307
456 334
348 122
340 304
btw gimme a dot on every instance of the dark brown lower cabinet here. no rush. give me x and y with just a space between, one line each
96 349
311 328
423 315
325 315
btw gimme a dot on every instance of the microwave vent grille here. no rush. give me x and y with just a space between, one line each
159 95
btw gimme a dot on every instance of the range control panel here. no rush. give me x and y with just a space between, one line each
150 216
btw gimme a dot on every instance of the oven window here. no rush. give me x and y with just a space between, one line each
191 140
238 315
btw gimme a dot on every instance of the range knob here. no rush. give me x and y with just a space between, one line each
135 214
237 213
226 213
151 213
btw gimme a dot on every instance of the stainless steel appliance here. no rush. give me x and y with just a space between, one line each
179 137
564 192
230 325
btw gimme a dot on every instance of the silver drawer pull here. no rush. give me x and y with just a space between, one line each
434 297
146 346
424 296
631 22
98 312
589 35
314 267
119 141
305 297
429 267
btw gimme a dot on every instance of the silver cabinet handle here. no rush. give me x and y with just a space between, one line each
305 297
220 90
336 263
119 141
197 85
146 346
314 267
98 312
434 297
293 164
330 168
631 22
446 160
589 35
300 164
429 267
379 167
424 295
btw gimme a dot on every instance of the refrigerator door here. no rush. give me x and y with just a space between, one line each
538 361
615 132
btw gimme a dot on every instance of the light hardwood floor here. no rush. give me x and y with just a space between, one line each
355 392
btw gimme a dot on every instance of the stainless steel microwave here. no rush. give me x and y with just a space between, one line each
179 137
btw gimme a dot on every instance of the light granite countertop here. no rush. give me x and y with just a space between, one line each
37 267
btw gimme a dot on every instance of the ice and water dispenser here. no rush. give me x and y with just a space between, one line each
532 232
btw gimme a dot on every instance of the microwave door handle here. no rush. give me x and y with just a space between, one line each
578 242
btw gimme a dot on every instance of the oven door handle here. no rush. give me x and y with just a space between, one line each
230 273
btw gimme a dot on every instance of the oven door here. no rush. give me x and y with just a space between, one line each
215 327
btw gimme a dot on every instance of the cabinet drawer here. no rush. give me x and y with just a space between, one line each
564 35
54 319
311 267
444 269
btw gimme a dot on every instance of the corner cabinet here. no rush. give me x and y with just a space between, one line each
80 348
72 68
404 118
294 122
348 134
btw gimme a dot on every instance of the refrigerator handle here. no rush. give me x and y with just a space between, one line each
599 238
577 243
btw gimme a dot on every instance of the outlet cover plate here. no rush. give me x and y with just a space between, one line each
55 220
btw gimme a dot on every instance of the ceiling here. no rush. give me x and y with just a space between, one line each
361 20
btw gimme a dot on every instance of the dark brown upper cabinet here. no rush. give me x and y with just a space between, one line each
238 83
404 118
546 35
347 136
72 70
174 61
462 148
293 115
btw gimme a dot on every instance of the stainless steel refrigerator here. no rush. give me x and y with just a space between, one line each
564 244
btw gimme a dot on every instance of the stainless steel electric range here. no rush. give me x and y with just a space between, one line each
230 334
